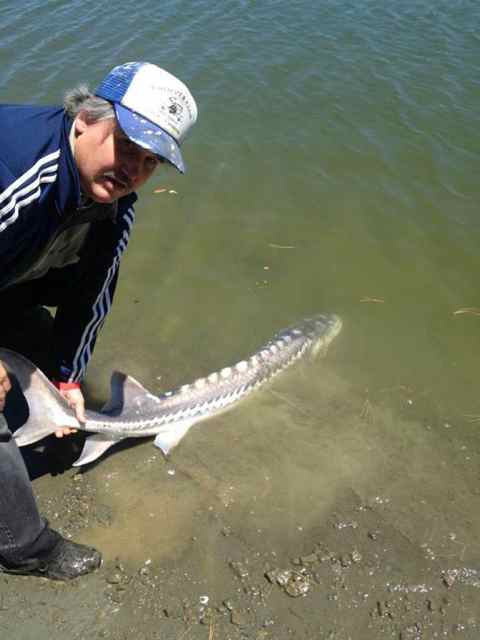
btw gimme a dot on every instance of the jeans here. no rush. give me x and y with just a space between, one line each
24 534
24 327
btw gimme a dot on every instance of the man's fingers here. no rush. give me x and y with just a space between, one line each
80 412
3 395
5 386
66 431
4 379
75 399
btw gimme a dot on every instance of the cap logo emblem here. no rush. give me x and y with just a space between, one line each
175 109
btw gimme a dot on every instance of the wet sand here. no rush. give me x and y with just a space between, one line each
312 511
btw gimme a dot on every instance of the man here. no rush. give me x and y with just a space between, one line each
68 178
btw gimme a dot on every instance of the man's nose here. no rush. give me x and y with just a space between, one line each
132 167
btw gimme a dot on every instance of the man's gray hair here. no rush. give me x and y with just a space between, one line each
82 99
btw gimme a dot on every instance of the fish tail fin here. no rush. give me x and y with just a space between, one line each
33 430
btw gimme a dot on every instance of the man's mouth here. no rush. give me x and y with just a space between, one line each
115 180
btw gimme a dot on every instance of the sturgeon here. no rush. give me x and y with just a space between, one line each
134 412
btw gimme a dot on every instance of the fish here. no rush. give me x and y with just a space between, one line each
134 412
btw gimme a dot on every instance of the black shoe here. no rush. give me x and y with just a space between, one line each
65 561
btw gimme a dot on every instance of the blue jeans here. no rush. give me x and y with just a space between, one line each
24 534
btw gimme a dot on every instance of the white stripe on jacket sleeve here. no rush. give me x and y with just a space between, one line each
51 157
26 189
100 307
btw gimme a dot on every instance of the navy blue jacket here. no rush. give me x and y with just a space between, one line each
39 199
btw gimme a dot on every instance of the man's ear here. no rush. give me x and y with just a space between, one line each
81 122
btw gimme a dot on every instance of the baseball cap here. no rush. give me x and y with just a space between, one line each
153 107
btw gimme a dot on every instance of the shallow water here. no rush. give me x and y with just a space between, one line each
333 168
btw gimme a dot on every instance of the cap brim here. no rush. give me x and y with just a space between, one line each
149 136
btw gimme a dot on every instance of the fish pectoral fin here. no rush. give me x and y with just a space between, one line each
94 447
171 435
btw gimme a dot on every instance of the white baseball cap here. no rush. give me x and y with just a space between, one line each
153 107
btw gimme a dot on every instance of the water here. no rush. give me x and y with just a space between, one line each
333 168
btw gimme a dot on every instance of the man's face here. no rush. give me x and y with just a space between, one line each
110 164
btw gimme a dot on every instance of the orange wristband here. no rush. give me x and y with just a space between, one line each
66 386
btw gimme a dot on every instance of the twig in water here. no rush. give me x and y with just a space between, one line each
473 311
280 246
367 299
210 632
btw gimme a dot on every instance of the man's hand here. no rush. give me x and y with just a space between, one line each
74 397
5 386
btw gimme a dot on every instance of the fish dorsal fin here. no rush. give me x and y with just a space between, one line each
127 393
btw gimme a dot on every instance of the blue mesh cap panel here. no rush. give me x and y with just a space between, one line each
116 83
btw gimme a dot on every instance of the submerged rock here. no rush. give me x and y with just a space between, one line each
294 583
